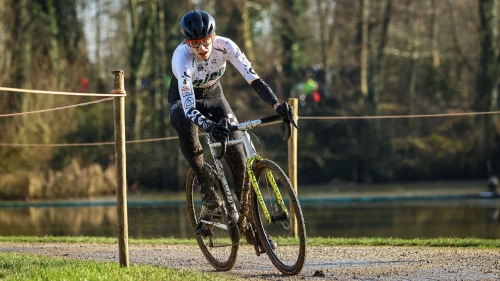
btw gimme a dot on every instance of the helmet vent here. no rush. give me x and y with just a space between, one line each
196 25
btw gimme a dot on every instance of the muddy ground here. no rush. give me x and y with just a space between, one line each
323 263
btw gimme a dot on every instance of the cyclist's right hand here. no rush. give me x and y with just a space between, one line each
286 112
219 132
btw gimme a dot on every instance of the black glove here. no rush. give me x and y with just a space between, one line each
286 112
219 132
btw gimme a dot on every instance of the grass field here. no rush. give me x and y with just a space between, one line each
14 266
311 241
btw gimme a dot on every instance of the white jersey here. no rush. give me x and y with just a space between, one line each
193 72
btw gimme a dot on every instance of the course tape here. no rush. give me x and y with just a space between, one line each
303 118
397 116
54 109
86 144
60 93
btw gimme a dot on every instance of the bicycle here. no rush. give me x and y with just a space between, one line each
267 215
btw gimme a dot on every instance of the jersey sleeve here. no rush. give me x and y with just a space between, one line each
244 66
240 61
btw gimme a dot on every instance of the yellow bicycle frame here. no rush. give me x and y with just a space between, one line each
256 188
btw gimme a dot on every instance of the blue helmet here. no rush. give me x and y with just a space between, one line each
196 25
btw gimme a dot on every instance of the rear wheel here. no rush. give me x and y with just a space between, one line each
287 227
216 234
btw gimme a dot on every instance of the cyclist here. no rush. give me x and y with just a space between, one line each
197 101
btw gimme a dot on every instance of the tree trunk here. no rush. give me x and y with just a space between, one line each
487 76
414 51
247 34
322 24
365 13
376 83
54 31
162 102
288 37
434 34
137 53
487 79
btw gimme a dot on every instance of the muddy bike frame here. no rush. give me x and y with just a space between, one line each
261 212
252 156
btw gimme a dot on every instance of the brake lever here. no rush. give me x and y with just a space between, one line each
290 117
290 121
288 132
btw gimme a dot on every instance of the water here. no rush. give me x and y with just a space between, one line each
343 218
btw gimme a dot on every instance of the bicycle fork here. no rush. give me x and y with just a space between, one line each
270 219
252 158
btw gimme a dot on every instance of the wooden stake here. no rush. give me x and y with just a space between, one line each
121 167
292 161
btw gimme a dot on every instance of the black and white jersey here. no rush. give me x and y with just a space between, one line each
192 72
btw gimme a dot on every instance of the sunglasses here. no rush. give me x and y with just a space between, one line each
196 43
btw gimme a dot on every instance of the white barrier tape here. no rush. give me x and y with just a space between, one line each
54 109
86 144
304 118
59 93
396 116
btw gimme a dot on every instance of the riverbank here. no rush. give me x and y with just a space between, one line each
333 193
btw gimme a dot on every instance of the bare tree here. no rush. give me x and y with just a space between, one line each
377 47
488 74
365 13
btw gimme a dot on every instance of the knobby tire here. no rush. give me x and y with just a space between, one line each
221 257
290 254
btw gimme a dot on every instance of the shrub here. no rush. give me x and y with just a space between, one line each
74 181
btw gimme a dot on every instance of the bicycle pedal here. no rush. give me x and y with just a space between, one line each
203 231
258 251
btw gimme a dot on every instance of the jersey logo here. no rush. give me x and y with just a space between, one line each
209 77
221 50
189 102
198 118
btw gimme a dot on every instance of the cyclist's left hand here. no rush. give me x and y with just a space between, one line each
286 112
219 132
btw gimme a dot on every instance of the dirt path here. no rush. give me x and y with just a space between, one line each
335 263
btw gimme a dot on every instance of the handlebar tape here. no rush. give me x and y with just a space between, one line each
270 119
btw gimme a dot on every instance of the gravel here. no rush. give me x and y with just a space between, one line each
322 263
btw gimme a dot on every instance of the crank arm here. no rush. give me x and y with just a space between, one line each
216 224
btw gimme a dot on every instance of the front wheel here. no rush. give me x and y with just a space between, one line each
282 231
216 233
